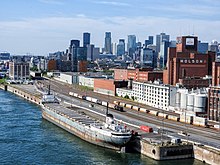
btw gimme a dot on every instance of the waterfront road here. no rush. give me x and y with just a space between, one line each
201 135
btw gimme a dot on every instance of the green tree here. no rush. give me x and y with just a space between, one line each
132 97
126 97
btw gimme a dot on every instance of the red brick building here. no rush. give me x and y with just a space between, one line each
108 86
121 74
215 73
194 82
52 65
214 103
82 66
184 62
142 75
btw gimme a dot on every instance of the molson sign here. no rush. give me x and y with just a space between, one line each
191 61
190 42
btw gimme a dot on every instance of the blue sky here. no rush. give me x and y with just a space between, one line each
42 26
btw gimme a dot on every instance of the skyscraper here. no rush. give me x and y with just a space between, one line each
147 57
74 44
92 52
86 39
160 38
163 53
121 47
108 43
114 48
131 45
150 41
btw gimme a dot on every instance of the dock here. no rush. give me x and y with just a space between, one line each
148 144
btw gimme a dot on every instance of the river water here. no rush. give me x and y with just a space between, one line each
26 138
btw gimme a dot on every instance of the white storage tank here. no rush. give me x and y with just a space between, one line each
189 108
190 99
200 101
183 100
177 99
198 109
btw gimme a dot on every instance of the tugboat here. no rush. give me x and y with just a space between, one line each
108 134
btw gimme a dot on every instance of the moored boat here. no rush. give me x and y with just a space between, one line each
109 134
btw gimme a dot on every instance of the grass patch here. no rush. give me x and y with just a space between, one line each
85 88
3 81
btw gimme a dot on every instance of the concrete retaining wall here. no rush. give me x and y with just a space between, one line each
167 152
159 152
28 96
206 155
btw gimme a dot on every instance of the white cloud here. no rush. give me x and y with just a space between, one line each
81 15
54 2
41 36
112 3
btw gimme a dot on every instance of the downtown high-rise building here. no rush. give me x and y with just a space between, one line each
108 43
74 44
121 47
86 39
78 57
131 45
92 52
163 53
149 41
160 38
148 57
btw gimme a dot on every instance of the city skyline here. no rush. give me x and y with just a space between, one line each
42 26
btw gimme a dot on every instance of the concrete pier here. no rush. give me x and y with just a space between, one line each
206 154
160 151
27 92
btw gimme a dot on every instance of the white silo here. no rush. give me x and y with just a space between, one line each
190 101
183 99
178 99
200 101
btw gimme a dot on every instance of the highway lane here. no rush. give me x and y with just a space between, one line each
200 135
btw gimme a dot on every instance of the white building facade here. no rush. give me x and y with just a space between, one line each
86 81
121 92
156 95
68 77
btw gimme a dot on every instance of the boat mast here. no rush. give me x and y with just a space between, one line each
48 89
